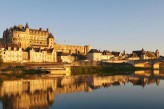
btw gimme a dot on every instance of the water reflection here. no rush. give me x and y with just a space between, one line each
40 93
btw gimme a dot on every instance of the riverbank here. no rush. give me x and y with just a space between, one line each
110 69
20 72
34 72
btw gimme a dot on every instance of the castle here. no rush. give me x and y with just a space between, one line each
23 44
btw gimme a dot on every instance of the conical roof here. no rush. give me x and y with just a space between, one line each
26 25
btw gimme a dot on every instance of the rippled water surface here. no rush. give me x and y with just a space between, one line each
140 90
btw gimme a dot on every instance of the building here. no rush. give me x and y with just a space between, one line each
106 55
26 37
72 49
94 55
42 55
117 55
11 53
34 45
142 54
64 57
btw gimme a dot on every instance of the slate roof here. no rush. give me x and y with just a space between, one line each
40 50
13 45
105 52
37 49
138 53
94 51
62 54
50 36
48 50
116 54
150 54
17 28
26 25
36 30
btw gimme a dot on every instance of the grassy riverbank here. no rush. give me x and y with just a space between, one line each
110 69
20 72
98 70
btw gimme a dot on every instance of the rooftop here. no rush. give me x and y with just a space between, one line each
94 51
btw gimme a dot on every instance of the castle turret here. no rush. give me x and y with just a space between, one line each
157 53
87 48
50 41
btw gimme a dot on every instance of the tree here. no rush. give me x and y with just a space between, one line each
1 60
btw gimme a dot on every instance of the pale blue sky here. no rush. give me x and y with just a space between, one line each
104 24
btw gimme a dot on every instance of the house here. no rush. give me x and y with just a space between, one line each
42 55
106 55
94 55
116 55
65 57
142 54
11 53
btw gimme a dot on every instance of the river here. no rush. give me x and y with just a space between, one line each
139 90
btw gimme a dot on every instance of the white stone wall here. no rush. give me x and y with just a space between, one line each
12 55
42 56
94 56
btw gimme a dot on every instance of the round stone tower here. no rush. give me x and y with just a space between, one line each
87 48
157 53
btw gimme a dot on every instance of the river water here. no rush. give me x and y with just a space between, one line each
139 90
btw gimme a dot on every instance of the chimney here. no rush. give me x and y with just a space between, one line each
20 26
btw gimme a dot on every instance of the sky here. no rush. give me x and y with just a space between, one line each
115 25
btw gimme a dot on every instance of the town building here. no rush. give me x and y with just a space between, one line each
106 55
42 55
65 57
142 54
11 53
117 55
94 55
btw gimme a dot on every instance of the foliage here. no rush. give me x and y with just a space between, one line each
85 70
20 72
103 69
1 60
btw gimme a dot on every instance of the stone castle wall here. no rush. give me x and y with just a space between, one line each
26 38
76 49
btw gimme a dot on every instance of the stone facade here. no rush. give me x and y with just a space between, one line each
25 37
29 41
65 57
72 49
42 55
142 55
94 55
17 54
11 53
